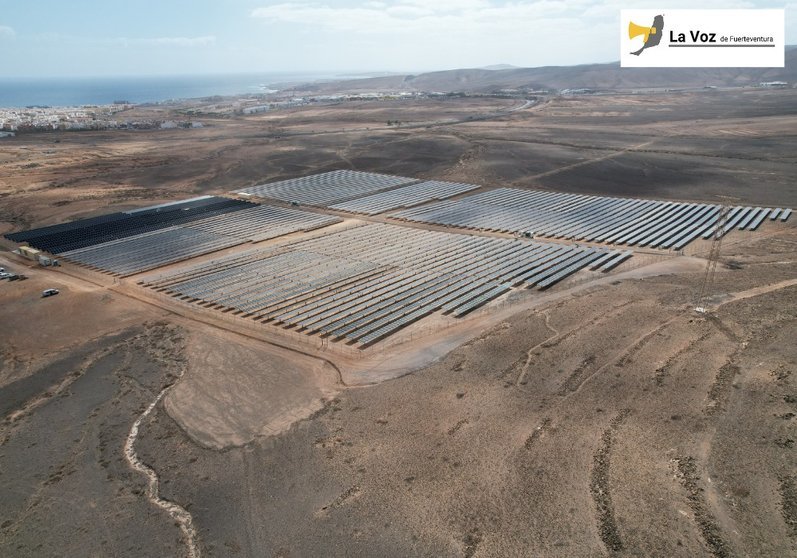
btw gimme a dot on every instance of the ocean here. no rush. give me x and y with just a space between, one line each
22 92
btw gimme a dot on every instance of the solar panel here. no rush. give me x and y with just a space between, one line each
82 233
327 188
404 196
629 221
362 284
129 243
616 260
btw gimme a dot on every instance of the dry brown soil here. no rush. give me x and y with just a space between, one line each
607 419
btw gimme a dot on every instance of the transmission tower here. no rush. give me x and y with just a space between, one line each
713 258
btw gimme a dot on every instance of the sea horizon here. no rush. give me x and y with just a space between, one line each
21 92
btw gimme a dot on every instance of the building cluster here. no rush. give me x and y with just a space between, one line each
93 117
292 102
59 118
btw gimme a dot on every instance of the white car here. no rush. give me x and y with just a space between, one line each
49 292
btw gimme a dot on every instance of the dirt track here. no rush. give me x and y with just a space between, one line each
624 440
68 489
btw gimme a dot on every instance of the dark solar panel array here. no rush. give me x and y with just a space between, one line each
363 284
140 240
59 239
632 222
63 228
199 201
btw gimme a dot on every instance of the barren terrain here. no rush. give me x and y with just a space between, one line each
606 418
699 146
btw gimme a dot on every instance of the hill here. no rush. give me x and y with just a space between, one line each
591 76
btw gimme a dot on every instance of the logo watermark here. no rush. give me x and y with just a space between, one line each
702 38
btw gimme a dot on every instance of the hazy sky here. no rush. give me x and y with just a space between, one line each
131 37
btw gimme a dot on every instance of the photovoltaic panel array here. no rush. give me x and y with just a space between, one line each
633 222
149 250
405 196
327 188
66 237
263 222
363 284
128 243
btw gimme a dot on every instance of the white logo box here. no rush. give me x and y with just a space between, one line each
706 39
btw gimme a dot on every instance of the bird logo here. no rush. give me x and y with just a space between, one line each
651 35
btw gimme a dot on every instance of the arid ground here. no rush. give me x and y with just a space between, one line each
607 418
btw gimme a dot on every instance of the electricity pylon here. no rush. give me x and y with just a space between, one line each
713 257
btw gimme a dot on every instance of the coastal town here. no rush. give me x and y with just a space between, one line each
114 116
88 117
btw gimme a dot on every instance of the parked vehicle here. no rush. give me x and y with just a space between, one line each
49 292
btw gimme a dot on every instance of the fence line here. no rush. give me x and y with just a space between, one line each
265 330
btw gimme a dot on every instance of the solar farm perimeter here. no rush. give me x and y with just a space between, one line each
378 270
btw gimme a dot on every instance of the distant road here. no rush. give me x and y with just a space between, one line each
473 118
415 125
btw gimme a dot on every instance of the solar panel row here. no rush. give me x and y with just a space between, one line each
62 228
365 283
327 188
26 236
263 222
197 227
633 222
68 237
405 196
146 251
